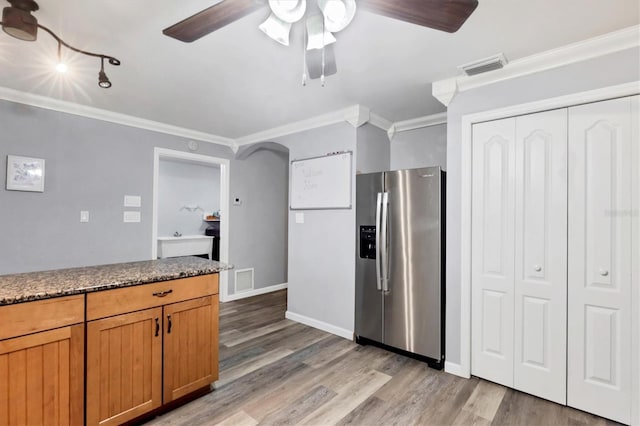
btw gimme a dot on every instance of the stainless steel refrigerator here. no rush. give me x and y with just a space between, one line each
400 261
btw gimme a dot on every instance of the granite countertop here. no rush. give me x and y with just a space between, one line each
31 286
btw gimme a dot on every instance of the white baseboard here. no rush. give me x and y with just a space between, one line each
320 325
256 292
455 369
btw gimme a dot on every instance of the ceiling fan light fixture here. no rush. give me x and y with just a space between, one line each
338 14
288 10
276 29
317 36
18 22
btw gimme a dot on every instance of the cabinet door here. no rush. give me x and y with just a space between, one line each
190 346
492 263
124 366
541 255
599 268
42 378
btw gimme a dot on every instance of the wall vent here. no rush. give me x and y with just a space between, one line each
243 280
491 63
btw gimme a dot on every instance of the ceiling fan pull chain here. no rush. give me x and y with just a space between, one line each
323 46
304 58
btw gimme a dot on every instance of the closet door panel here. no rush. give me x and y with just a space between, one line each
635 256
541 255
492 250
599 308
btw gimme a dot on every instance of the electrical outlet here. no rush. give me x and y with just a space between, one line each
132 201
131 217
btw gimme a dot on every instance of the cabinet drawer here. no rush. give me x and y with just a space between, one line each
107 303
31 317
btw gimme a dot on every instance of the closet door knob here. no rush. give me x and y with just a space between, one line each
604 272
537 268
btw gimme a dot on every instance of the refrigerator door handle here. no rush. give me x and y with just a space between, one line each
383 247
378 257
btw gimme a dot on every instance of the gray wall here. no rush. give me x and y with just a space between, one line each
373 149
422 147
321 250
258 227
91 165
184 184
618 68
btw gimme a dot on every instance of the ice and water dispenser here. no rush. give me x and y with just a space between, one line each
368 242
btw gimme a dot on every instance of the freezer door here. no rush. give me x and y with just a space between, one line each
412 304
368 297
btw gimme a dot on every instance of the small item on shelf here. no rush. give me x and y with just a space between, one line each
213 216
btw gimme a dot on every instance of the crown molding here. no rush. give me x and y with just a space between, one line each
627 38
109 116
380 122
356 115
420 122
416 123
359 116
339 116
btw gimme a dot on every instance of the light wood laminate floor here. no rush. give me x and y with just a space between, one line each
274 371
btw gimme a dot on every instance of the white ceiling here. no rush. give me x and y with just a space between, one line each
236 81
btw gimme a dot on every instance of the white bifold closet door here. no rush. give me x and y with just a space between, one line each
541 255
600 262
492 255
519 253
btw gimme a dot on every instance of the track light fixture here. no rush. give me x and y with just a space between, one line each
18 22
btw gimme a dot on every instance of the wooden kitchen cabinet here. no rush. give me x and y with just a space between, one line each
42 373
124 366
190 346
127 330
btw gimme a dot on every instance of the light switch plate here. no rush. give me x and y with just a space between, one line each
131 217
299 217
84 216
132 201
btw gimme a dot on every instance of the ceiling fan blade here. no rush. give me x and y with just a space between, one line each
211 19
444 15
314 62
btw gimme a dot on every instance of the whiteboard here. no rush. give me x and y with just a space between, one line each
321 182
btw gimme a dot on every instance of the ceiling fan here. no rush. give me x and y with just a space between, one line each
444 15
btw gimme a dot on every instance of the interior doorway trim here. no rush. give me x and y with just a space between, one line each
169 154
464 368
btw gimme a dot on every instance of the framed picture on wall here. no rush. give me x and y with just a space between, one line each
25 174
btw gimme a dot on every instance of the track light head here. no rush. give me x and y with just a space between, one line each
103 80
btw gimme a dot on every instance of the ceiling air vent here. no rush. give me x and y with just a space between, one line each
484 65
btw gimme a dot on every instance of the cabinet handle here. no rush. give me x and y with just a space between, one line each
604 272
157 327
163 293
537 268
169 326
